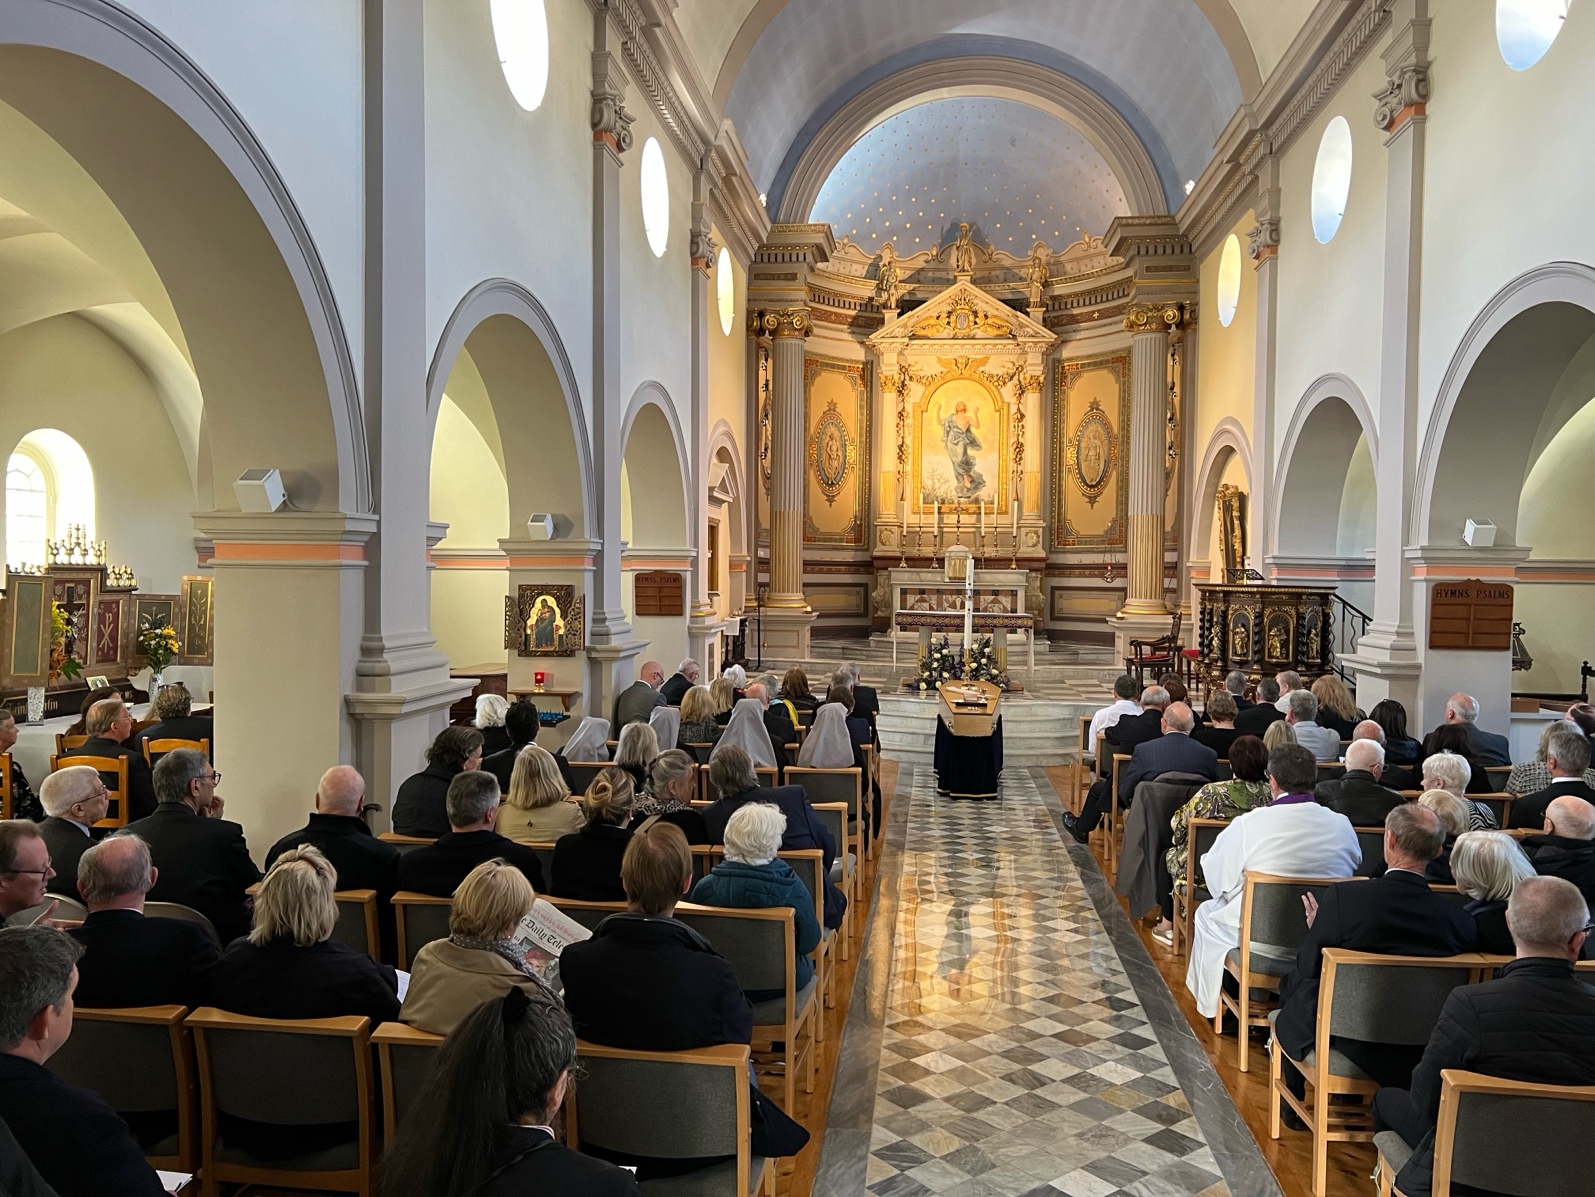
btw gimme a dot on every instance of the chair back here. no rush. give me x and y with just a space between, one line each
698 750
1272 914
768 775
829 785
665 1105
1498 775
1451 895
583 775
833 817
113 772
154 750
1500 805
1331 770
405 843
357 921
65 908
1372 842
545 855
420 919
1388 999
176 910
1512 1136
404 1056
809 865
65 744
1201 837
758 944
5 786
588 914
1225 773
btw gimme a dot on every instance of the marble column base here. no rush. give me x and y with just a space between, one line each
1129 625
785 631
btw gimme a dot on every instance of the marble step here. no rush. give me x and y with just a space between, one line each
1034 731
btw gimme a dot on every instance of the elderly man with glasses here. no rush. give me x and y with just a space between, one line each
75 799
201 859
24 868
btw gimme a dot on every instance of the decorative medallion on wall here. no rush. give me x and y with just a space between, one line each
1092 453
831 452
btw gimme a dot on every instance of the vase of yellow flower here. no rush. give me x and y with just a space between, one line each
158 644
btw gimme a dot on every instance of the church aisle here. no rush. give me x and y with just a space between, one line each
997 1043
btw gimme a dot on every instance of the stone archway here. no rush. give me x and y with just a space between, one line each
654 514
1229 450
1321 445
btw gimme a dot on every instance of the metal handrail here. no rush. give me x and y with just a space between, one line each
1351 623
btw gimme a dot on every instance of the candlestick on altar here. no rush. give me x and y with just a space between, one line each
902 533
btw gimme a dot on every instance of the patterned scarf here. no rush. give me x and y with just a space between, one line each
506 950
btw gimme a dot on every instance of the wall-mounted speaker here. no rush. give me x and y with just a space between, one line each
260 490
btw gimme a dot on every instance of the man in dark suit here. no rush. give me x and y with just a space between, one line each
1121 739
1535 1021
75 799
175 720
75 1140
1172 752
1488 747
1235 686
1255 719
684 679
1357 794
109 724
1567 849
439 867
1397 914
521 721
637 701
1566 758
866 700
203 859
128 959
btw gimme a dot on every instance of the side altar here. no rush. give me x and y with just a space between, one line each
924 603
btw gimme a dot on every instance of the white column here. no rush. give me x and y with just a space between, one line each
1263 245
702 625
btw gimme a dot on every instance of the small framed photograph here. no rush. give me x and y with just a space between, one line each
97 681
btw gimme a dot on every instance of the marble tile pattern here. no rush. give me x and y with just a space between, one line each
1014 1055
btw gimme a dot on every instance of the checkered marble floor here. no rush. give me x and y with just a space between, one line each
1015 1057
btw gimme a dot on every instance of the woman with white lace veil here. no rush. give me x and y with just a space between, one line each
828 746
590 743
746 730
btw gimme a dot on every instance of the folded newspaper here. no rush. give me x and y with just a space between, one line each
542 936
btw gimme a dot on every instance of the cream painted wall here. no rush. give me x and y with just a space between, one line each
1270 26
728 354
469 493
1226 358
1330 295
1358 504
64 373
1508 162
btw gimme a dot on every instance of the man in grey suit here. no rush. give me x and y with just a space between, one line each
1488 748
1302 714
637 701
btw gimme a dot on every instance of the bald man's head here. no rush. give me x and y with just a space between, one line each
1570 817
341 791
116 872
652 673
1369 730
1177 717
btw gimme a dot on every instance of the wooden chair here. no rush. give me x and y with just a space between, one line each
672 1105
582 774
1079 769
357 921
1331 770
1374 998
761 947
1161 655
155 749
1450 894
65 908
1499 1135
176 910
1372 842
405 843
1110 821
1498 775
304 1072
1500 804
65 743
545 856
113 772
404 1054
768 775
1200 835
699 751
844 870
837 785
420 919
588 914
141 1061
1271 914
809 865
6 800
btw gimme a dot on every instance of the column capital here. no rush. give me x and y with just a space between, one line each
610 121
1262 239
700 249
1142 317
782 322
1404 96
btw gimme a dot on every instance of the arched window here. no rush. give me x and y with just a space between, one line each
27 510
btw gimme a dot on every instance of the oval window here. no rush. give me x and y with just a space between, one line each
520 31
1525 29
1229 280
1331 179
725 288
655 197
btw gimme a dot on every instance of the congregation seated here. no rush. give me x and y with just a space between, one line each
1486 865
1290 837
1357 794
25 870
1451 771
521 722
1121 738
97 695
858 728
1529 777
202 859
746 730
733 780
1126 689
685 678
1337 709
1172 750
1479 746
501 1076
1289 680
1401 750
1218 730
537 807
635 751
75 799
1567 849
128 959
777 721
479 960
1255 719
1454 814
1235 684
672 785
1394 776
1534 1021
866 700
1394 914
839 740
1246 789
421 806
795 690
1566 761
473 808
109 726
694 997
753 877
698 725
173 709
587 862
489 720
74 1139
723 693
637 701
1301 712
24 802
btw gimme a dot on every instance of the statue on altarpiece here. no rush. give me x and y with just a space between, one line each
964 250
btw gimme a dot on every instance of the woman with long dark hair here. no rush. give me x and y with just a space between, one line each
482 1125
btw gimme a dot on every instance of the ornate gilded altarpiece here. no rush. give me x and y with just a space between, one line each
1090 416
836 451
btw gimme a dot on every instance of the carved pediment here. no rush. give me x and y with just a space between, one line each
964 312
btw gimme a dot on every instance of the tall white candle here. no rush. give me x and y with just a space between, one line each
1016 521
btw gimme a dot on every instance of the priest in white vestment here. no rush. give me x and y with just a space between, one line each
1291 837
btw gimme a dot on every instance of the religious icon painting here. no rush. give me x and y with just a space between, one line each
198 620
548 621
1092 453
831 452
960 445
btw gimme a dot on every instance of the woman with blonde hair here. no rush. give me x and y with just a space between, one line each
724 695
698 725
479 960
1279 733
1337 709
537 809
587 862
1487 865
635 751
